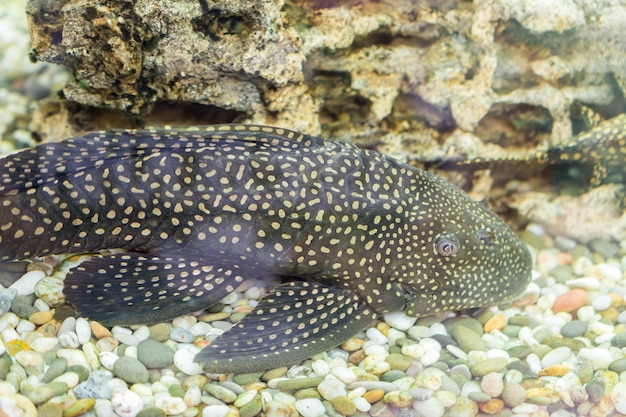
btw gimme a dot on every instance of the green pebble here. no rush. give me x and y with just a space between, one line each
468 339
574 328
154 354
151 411
220 392
542 333
606 248
81 371
176 390
154 375
513 394
50 410
44 392
160 332
392 375
398 399
618 365
463 407
511 330
303 394
536 241
50 356
23 310
251 408
519 320
5 366
523 368
130 370
330 410
237 317
595 389
554 342
619 340
579 251
479 397
300 383
274 373
586 371
399 362
562 273
520 352
56 368
245 379
343 405
540 400
467 322
482 368
483 316
395 349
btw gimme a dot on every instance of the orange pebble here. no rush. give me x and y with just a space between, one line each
374 395
570 301
49 329
493 406
497 322
41 317
555 370
202 343
99 331
15 346
616 299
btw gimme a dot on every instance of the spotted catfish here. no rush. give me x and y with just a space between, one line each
354 234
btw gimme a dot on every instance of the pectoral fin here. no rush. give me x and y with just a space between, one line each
133 288
292 323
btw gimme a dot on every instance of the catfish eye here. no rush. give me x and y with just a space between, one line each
486 237
447 244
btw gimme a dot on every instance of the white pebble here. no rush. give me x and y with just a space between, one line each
127 339
25 285
430 344
41 305
200 329
618 396
92 354
413 350
430 357
458 352
108 359
438 328
587 313
374 349
361 404
244 398
184 321
43 344
399 320
610 271
8 320
585 283
183 359
601 328
601 358
70 378
230 298
376 336
215 411
126 403
254 293
607 337
393 335
556 356
331 388
525 408
68 325
310 407
601 302
142 333
25 326
107 344
171 405
431 407
345 375
534 363
50 290
193 396
32 362
73 357
69 339
320 367
83 331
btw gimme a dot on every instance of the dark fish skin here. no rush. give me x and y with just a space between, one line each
353 233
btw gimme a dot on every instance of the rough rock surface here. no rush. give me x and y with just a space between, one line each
419 80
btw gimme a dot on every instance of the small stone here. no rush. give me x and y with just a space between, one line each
43 393
50 290
181 335
220 392
277 409
484 367
398 399
83 330
399 320
492 406
374 395
79 407
556 356
96 386
32 362
154 354
492 384
171 405
329 389
50 410
176 390
251 408
274 373
130 370
25 285
183 359
497 322
151 411
160 332
300 383
310 407
99 331
41 317
513 394
431 407
353 344
56 368
344 405
463 407
574 328
398 361
468 340
555 370
570 301
215 411
126 403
